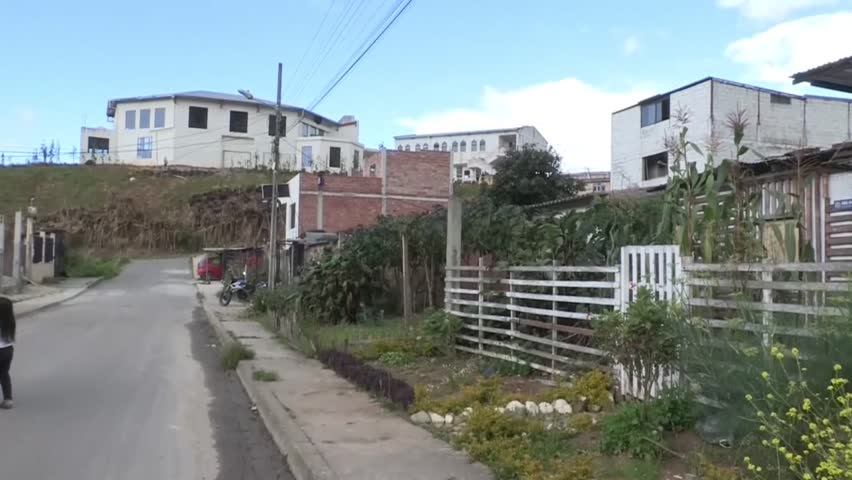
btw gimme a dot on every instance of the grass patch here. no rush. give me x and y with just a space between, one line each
84 266
233 353
265 376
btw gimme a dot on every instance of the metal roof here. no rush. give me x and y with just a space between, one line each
836 75
209 96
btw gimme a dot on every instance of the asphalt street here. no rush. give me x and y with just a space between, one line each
123 382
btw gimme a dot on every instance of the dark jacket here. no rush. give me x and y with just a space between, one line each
7 320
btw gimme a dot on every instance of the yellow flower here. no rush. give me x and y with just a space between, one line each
749 397
776 442
813 426
811 446
806 405
774 350
769 396
807 476
837 367
779 356
795 352
762 428
765 375
789 457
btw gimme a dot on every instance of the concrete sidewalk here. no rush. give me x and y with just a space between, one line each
39 297
328 428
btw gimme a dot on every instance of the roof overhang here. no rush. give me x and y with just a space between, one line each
836 75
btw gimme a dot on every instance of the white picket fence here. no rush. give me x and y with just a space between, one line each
553 330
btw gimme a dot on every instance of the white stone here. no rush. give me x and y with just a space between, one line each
436 419
515 407
532 408
467 412
448 419
545 408
500 410
420 418
562 407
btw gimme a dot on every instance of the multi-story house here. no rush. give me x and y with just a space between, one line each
473 152
219 130
593 182
776 123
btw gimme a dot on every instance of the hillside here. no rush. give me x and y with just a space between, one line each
121 207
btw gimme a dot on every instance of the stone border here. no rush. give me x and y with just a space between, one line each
48 305
303 458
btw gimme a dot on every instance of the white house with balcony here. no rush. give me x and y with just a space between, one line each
777 123
220 130
473 152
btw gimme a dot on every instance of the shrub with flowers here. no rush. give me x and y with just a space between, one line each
806 430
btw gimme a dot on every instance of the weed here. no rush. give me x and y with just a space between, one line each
83 266
595 386
491 367
265 376
484 393
441 329
395 359
581 422
233 353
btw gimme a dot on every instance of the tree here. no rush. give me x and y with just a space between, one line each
529 176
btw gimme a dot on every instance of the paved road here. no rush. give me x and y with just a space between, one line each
123 383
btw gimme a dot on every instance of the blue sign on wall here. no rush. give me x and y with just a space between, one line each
843 205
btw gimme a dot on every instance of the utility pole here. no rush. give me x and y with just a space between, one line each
273 221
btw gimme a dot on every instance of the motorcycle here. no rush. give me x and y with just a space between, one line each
241 288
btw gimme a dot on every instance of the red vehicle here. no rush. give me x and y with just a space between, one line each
210 268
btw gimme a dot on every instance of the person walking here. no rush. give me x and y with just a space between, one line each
7 350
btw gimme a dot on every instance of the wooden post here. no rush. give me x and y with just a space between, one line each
16 253
406 282
554 291
454 244
480 299
511 303
766 316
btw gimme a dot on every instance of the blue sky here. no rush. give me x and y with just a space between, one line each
446 65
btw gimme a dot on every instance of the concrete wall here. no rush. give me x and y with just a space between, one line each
772 128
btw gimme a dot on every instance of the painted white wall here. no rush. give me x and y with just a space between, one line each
100 132
216 146
772 128
481 159
293 187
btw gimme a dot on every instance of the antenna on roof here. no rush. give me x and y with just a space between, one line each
246 93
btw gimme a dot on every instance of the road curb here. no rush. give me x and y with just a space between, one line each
58 302
303 458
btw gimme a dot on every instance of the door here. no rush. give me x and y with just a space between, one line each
307 157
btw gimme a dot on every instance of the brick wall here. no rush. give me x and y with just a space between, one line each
341 184
419 174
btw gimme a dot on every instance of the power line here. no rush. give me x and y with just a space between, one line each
361 56
311 43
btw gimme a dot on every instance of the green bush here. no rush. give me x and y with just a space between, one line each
276 300
636 429
81 266
265 376
441 329
485 393
503 368
395 359
596 386
233 353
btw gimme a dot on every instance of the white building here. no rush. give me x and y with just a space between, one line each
219 130
777 123
474 152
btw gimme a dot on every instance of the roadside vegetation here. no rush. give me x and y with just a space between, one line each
232 353
265 376
89 266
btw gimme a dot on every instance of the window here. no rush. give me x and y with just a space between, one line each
780 99
159 118
399 148
98 145
425 147
655 166
655 112
417 148
49 246
311 131
197 117
482 145
444 147
473 146
307 157
144 147
356 160
283 126
437 147
455 146
334 157
463 146
130 120
292 215
145 118
239 122
408 148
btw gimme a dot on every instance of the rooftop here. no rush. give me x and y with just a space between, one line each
735 84
454 134
836 75
209 96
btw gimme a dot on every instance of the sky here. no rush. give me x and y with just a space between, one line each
445 65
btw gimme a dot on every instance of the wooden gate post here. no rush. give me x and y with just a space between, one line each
480 299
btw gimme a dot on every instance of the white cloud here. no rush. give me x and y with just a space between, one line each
631 45
573 116
771 9
790 47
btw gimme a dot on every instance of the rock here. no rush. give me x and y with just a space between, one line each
532 408
549 427
515 407
579 406
420 418
562 407
467 411
436 419
458 420
545 408
448 419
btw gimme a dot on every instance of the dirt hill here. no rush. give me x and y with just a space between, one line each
127 208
